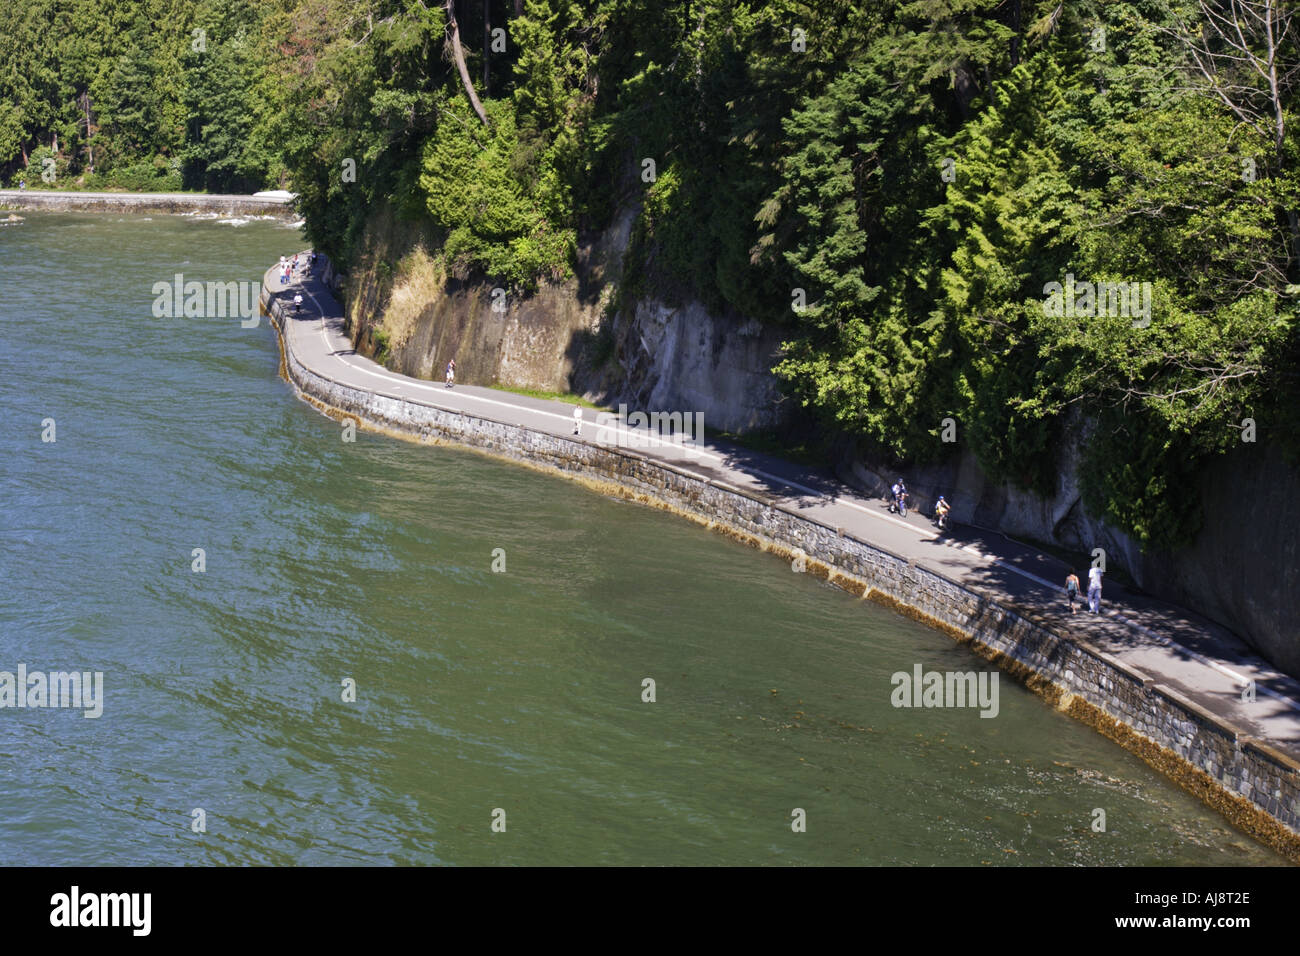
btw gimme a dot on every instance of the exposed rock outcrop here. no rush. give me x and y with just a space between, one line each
567 336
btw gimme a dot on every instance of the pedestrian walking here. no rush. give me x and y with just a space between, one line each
1071 590
297 302
451 373
1094 589
577 421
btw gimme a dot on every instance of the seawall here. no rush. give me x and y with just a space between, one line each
226 205
1252 784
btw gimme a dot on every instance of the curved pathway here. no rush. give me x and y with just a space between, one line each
1199 659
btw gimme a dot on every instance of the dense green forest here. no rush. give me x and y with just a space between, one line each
897 185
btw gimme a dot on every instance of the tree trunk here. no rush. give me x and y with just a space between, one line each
90 152
963 89
487 50
1015 34
1229 42
1272 23
459 56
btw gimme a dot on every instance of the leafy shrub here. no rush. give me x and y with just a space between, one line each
482 188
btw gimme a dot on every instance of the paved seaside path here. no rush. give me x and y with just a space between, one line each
1172 646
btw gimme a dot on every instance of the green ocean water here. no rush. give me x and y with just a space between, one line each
479 695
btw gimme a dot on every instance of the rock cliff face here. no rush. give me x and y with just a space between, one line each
1243 569
567 337
578 336
686 359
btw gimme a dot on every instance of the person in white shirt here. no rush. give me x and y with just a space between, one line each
1094 589
577 420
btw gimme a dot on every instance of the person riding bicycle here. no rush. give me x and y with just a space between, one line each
900 496
941 509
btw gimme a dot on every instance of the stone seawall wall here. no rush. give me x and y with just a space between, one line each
146 202
1254 786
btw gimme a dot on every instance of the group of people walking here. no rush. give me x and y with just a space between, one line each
296 267
299 265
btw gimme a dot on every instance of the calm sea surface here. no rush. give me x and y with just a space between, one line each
476 691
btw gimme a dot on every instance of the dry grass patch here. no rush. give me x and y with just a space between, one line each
418 280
